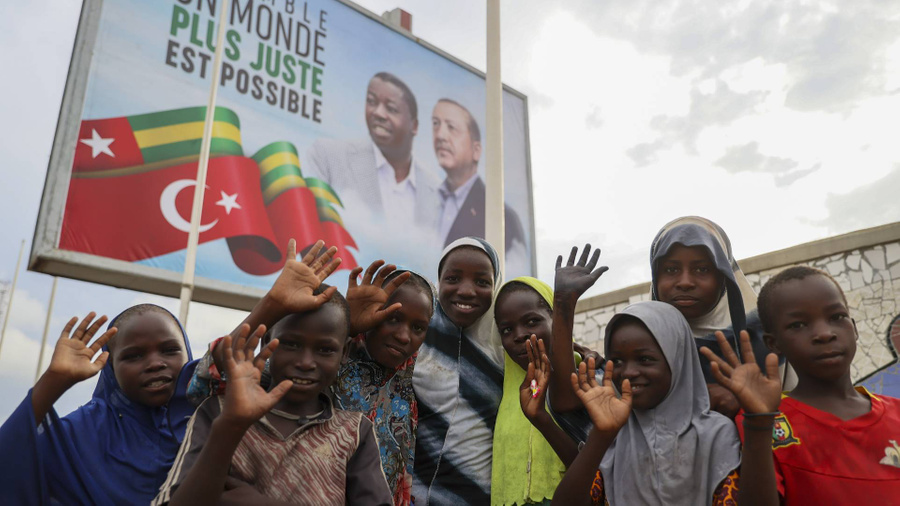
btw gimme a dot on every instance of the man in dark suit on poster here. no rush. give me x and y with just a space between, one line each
457 145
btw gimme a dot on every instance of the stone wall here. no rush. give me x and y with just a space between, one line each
866 264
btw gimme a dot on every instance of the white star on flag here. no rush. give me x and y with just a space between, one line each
229 202
98 144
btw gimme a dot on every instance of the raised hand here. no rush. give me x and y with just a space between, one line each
72 359
367 300
538 371
757 392
575 278
245 400
293 290
608 412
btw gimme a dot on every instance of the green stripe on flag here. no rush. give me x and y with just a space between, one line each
218 147
279 172
314 183
275 147
178 116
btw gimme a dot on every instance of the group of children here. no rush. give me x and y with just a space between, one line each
397 393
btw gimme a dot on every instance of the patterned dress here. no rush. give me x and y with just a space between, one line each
725 495
385 397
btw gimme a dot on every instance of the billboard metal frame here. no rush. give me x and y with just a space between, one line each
47 258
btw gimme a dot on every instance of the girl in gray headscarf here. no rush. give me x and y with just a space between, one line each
657 442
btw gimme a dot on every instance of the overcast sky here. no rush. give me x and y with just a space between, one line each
778 120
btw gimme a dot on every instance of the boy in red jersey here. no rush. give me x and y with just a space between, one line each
831 443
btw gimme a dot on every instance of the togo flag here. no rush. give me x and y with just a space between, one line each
154 140
135 175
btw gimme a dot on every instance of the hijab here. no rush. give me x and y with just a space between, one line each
736 308
458 383
679 451
109 451
386 397
525 466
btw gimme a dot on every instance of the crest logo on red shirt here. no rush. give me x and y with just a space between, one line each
891 455
783 433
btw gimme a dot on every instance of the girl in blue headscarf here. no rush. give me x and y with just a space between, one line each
118 448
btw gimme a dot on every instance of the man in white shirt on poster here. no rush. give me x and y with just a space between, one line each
381 172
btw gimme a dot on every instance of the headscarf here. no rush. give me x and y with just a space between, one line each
526 469
679 451
386 397
110 451
736 309
458 383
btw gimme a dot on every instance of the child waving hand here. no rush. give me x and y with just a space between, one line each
788 455
657 442
117 448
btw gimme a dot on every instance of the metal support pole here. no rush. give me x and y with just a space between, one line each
12 291
494 214
37 373
190 261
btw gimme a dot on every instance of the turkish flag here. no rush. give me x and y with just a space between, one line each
147 214
292 215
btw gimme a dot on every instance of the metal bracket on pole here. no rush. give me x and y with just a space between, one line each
190 261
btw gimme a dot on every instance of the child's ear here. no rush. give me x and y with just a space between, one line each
346 355
771 343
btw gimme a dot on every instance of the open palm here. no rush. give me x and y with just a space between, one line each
293 290
245 400
72 357
576 277
608 412
367 299
757 392
539 372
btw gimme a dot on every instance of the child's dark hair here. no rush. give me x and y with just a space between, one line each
337 299
798 272
518 286
415 281
135 311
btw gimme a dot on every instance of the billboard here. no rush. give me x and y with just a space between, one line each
329 124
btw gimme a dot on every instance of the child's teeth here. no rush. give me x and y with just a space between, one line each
302 381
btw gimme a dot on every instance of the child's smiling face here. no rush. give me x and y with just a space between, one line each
310 349
147 357
519 314
400 336
688 279
637 357
466 285
812 328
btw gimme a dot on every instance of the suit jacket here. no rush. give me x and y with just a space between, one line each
350 166
470 219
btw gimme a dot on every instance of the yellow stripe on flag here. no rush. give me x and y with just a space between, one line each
331 213
184 132
277 160
282 184
322 193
